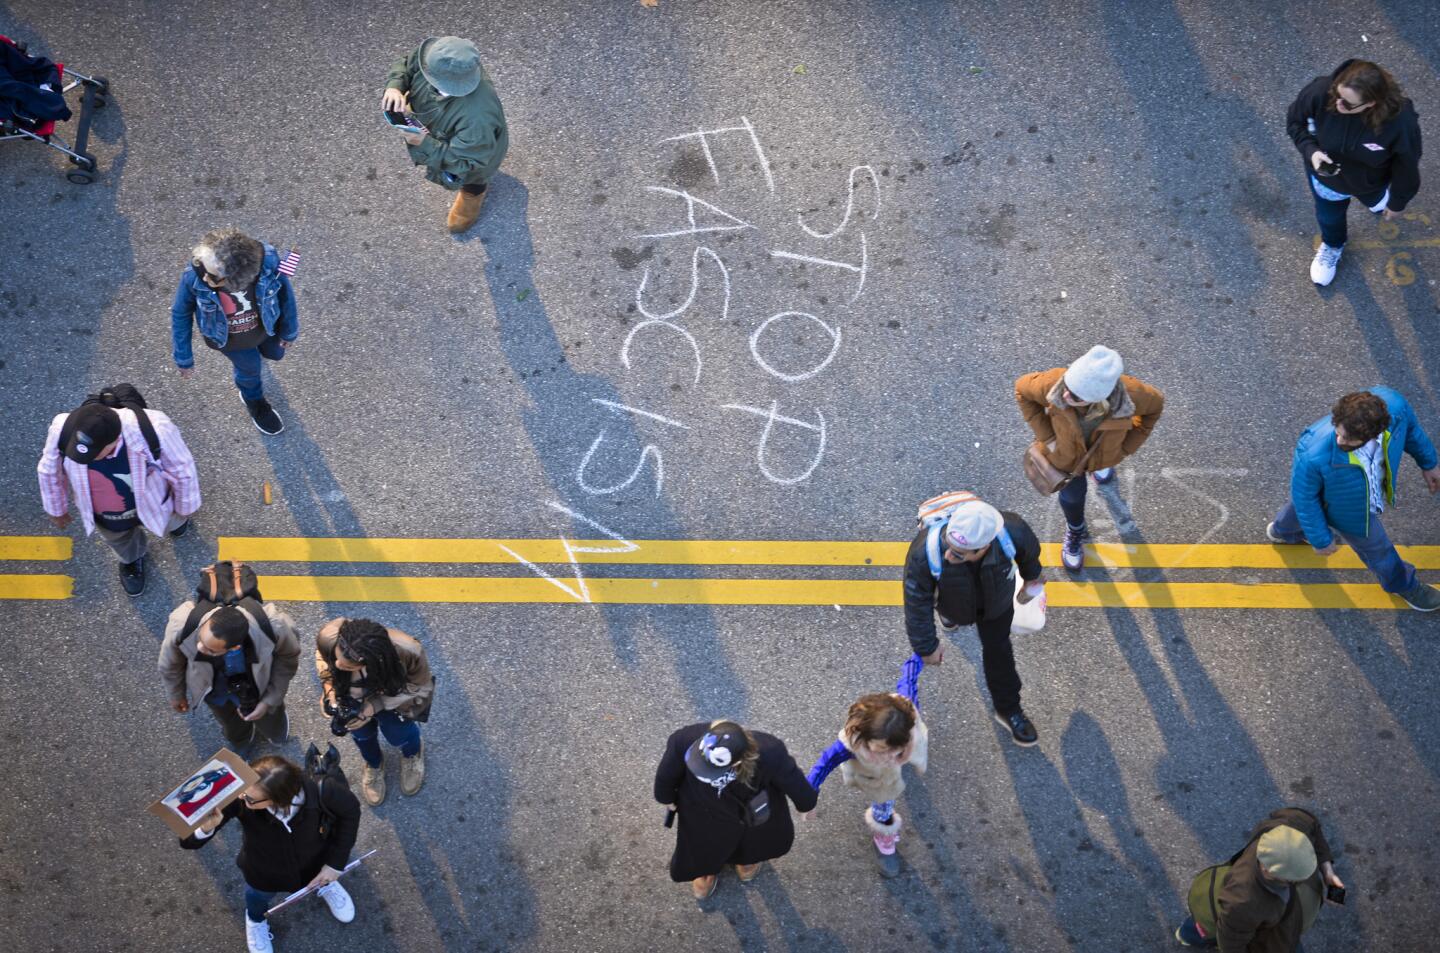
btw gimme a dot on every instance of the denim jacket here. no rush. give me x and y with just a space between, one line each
197 302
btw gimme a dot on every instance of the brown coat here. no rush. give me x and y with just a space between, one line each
413 702
191 680
1254 920
1135 407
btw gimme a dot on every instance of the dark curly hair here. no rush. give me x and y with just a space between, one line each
1374 85
1363 415
368 643
881 717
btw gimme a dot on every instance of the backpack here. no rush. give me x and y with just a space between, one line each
118 397
935 513
228 584
321 768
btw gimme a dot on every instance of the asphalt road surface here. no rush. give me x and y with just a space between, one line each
1041 177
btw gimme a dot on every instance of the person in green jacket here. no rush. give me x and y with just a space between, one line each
456 129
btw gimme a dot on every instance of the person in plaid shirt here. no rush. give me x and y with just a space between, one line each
101 453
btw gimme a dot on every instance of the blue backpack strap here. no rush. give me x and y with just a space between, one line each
932 548
1006 544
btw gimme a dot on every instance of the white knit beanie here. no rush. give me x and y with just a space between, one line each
1093 377
973 525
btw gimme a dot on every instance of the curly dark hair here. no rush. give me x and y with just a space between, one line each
368 643
1363 415
881 717
1376 86
229 625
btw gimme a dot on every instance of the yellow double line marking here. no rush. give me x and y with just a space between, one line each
566 586
35 549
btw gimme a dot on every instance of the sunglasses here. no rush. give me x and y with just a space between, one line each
1347 106
199 268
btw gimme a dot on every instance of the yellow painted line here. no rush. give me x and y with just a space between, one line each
20 586
35 547
1373 243
808 592
742 552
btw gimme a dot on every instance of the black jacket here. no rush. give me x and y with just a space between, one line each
20 79
1253 919
960 599
274 859
710 830
1364 171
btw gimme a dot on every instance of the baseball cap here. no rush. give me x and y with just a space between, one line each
714 755
87 431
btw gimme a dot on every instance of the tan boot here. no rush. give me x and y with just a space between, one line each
464 212
747 872
703 887
412 772
372 784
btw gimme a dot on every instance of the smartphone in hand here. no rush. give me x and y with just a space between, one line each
402 121
1335 894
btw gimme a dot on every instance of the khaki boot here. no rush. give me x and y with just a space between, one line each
412 772
464 212
372 784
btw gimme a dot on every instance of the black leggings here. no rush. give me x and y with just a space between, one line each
473 189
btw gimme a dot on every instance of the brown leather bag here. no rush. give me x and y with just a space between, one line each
1043 475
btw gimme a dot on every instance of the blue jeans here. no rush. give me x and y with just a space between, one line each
256 903
1331 217
1072 500
400 732
247 366
1375 550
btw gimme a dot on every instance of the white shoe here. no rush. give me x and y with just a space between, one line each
257 936
1322 269
339 902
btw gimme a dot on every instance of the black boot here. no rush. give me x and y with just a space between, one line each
132 577
268 422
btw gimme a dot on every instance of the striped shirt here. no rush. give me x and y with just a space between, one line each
170 486
1371 459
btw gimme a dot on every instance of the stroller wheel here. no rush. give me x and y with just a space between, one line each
86 162
80 178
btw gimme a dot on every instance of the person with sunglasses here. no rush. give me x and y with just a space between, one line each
293 835
1360 137
966 576
245 308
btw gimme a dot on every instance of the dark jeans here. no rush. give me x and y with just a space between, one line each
1072 500
256 903
247 366
473 189
1331 216
999 660
400 732
1375 550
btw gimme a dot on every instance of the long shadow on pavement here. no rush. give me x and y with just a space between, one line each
448 862
561 417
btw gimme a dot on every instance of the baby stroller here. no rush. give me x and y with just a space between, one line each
32 101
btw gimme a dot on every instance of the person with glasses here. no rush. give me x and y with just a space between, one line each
1343 477
243 302
1269 893
1360 137
1089 416
963 570
376 680
294 834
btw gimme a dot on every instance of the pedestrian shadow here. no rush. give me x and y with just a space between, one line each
443 872
736 903
1387 350
561 419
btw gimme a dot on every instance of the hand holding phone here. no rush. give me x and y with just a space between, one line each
1335 894
403 121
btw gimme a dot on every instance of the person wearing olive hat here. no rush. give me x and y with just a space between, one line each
963 570
1269 893
727 787
129 471
458 131
1089 416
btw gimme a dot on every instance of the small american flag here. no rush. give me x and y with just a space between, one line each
291 263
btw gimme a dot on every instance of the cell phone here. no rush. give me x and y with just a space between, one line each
400 120
1329 168
670 820
1334 894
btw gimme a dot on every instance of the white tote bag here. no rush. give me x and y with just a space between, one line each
1030 616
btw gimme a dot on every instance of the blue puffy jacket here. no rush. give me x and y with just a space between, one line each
197 303
1328 485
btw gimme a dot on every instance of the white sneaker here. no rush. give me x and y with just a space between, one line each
339 902
1322 269
258 937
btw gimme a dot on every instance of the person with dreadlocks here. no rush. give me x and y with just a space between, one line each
376 680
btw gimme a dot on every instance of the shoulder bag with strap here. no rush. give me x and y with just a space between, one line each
1043 475
228 584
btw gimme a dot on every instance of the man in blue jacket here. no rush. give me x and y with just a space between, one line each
245 307
1343 478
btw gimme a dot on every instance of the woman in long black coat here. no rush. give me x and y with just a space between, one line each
728 787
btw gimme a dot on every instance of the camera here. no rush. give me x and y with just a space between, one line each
239 681
345 710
